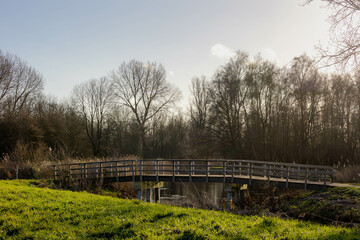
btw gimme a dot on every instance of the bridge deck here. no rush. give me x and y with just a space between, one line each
222 171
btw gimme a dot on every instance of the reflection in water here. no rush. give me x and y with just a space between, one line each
191 193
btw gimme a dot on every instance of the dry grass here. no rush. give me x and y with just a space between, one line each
348 174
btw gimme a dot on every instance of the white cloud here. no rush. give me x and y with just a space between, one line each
269 54
221 51
171 73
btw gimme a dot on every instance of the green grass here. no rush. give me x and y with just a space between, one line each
30 212
330 205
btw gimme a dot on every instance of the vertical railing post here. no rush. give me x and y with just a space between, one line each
190 171
140 170
232 172
207 171
124 169
111 169
173 171
178 167
157 170
250 173
86 171
306 177
162 167
117 171
287 177
268 172
240 166
132 170
101 171
325 178
224 172
192 167
97 170
264 170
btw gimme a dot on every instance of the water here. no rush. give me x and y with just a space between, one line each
190 194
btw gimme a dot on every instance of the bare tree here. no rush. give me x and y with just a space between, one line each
93 101
199 116
306 86
345 41
20 84
200 102
5 75
143 88
229 93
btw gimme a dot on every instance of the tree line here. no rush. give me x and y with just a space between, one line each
249 109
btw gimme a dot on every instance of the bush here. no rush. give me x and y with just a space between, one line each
348 174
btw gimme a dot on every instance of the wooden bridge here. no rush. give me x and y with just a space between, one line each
249 172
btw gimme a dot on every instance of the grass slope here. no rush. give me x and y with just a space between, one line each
29 212
330 205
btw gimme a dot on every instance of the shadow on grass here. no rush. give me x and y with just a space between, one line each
191 235
123 232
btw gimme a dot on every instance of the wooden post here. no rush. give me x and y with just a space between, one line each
157 195
83 171
232 172
80 176
139 194
97 170
101 171
140 170
268 172
192 167
224 174
162 167
190 171
173 171
207 171
117 172
250 173
306 177
229 199
148 199
132 170
325 178
86 171
111 170
157 170
287 177
178 167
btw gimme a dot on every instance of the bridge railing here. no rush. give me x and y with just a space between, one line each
227 169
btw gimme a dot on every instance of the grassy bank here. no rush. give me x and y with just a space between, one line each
29 212
333 205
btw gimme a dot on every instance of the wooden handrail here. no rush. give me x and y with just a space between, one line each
227 169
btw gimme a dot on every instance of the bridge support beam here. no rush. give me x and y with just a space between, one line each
235 194
138 194
151 191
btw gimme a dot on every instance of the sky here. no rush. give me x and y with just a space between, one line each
70 42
